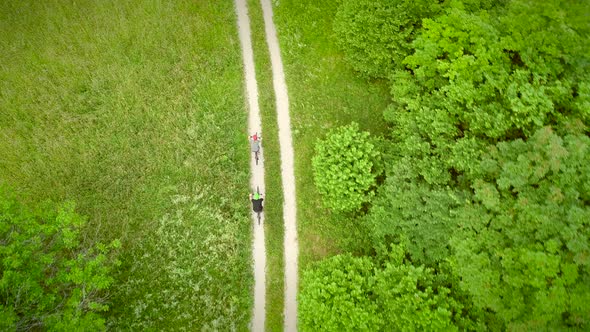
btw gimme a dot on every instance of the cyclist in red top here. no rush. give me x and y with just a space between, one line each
255 143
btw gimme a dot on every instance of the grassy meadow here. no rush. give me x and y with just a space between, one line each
324 93
135 111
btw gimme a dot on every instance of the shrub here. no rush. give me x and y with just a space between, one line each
336 296
346 166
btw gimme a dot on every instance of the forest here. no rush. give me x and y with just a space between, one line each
475 204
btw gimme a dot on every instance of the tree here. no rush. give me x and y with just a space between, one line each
471 82
346 166
474 174
376 35
410 299
49 278
523 244
415 214
336 296
346 293
475 80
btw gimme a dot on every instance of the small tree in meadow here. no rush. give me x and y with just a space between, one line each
49 279
346 166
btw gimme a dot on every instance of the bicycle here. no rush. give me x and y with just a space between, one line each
256 156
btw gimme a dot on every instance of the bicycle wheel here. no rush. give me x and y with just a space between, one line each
256 157
258 213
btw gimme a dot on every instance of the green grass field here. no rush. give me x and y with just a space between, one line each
135 111
324 93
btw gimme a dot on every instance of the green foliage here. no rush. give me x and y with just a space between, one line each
517 213
479 72
51 280
523 244
376 35
337 296
415 214
346 166
471 82
411 300
346 293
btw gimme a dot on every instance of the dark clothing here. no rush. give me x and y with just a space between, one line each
257 204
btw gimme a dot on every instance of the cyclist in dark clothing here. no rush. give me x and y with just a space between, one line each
256 202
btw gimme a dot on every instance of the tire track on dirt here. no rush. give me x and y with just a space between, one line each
257 171
291 246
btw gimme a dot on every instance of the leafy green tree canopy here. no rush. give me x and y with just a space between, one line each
376 35
492 77
415 214
346 166
475 175
336 296
346 293
49 278
522 248
472 81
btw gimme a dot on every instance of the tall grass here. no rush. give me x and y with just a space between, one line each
135 111
324 93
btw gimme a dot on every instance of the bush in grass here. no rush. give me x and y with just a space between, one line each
50 279
346 166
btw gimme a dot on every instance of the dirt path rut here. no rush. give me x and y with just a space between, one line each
287 169
291 247
257 171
